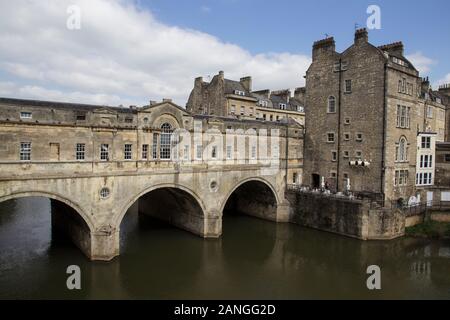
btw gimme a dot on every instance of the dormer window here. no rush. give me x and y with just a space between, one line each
239 93
399 61
282 106
300 109
263 103
26 115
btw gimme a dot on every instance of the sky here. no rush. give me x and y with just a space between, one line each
128 52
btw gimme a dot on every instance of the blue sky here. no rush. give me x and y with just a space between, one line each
289 25
132 51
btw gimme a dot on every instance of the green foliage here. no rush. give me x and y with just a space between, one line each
430 229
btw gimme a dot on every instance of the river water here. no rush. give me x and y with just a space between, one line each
254 259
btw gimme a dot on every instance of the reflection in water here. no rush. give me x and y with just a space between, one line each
254 259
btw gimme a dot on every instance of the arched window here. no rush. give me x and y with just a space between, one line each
165 141
402 150
331 104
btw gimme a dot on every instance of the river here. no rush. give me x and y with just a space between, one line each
254 259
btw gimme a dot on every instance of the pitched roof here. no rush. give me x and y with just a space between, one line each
63 105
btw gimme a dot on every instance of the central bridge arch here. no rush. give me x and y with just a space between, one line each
171 203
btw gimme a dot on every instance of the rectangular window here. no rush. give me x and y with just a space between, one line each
242 110
155 146
348 86
359 137
429 112
295 178
358 155
346 136
408 118
104 152
26 115
346 154
447 157
252 110
127 152
214 152
253 152
347 121
401 177
229 152
80 150
144 151
186 152
403 116
25 151
333 155
81 117
233 109
426 142
330 137
129 120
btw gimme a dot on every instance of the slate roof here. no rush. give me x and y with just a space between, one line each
63 105
231 86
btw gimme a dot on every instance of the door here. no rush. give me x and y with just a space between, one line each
315 181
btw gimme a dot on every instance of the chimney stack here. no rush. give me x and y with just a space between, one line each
246 83
361 36
395 48
324 46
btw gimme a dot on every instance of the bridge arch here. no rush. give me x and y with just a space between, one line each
52 196
169 197
253 196
67 218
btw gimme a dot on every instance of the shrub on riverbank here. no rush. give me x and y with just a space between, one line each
430 229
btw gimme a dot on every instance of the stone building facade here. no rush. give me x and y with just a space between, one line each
366 111
100 160
235 100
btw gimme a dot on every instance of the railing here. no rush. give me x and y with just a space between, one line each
321 192
375 201
421 208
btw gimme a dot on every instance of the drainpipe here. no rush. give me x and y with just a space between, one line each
383 148
286 153
339 128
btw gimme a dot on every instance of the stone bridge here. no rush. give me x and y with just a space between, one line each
120 164
192 198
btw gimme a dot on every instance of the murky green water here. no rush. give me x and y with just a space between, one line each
255 259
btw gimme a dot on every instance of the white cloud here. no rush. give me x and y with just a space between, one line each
444 80
421 62
121 55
